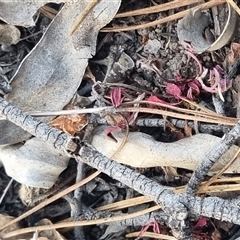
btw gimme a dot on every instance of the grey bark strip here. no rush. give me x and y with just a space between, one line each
157 122
59 139
212 156
161 195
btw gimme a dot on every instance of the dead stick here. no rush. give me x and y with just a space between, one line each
174 205
59 139
202 170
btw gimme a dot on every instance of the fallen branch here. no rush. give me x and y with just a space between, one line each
212 156
176 206
59 139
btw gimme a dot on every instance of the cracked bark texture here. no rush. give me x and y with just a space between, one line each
59 139
176 206
212 156
157 122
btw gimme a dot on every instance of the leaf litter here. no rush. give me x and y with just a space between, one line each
175 83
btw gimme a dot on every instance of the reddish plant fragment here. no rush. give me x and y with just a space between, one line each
218 84
201 223
198 230
155 226
192 55
158 100
117 121
188 46
193 90
189 88
114 120
108 132
174 90
116 96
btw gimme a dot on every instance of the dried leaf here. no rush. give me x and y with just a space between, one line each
190 30
4 219
187 130
170 171
233 54
142 151
36 163
21 13
176 132
51 74
226 226
216 235
70 123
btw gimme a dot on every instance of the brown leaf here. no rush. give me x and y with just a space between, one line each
187 130
178 134
233 54
70 124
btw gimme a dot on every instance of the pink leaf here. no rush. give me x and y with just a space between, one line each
158 100
174 90
116 96
194 86
179 78
155 226
190 94
108 132
201 223
197 61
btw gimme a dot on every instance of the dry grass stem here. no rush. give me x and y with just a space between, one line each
170 18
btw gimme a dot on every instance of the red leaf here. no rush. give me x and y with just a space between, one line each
158 100
116 96
174 90
201 223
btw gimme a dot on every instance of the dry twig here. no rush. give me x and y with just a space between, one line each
176 206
